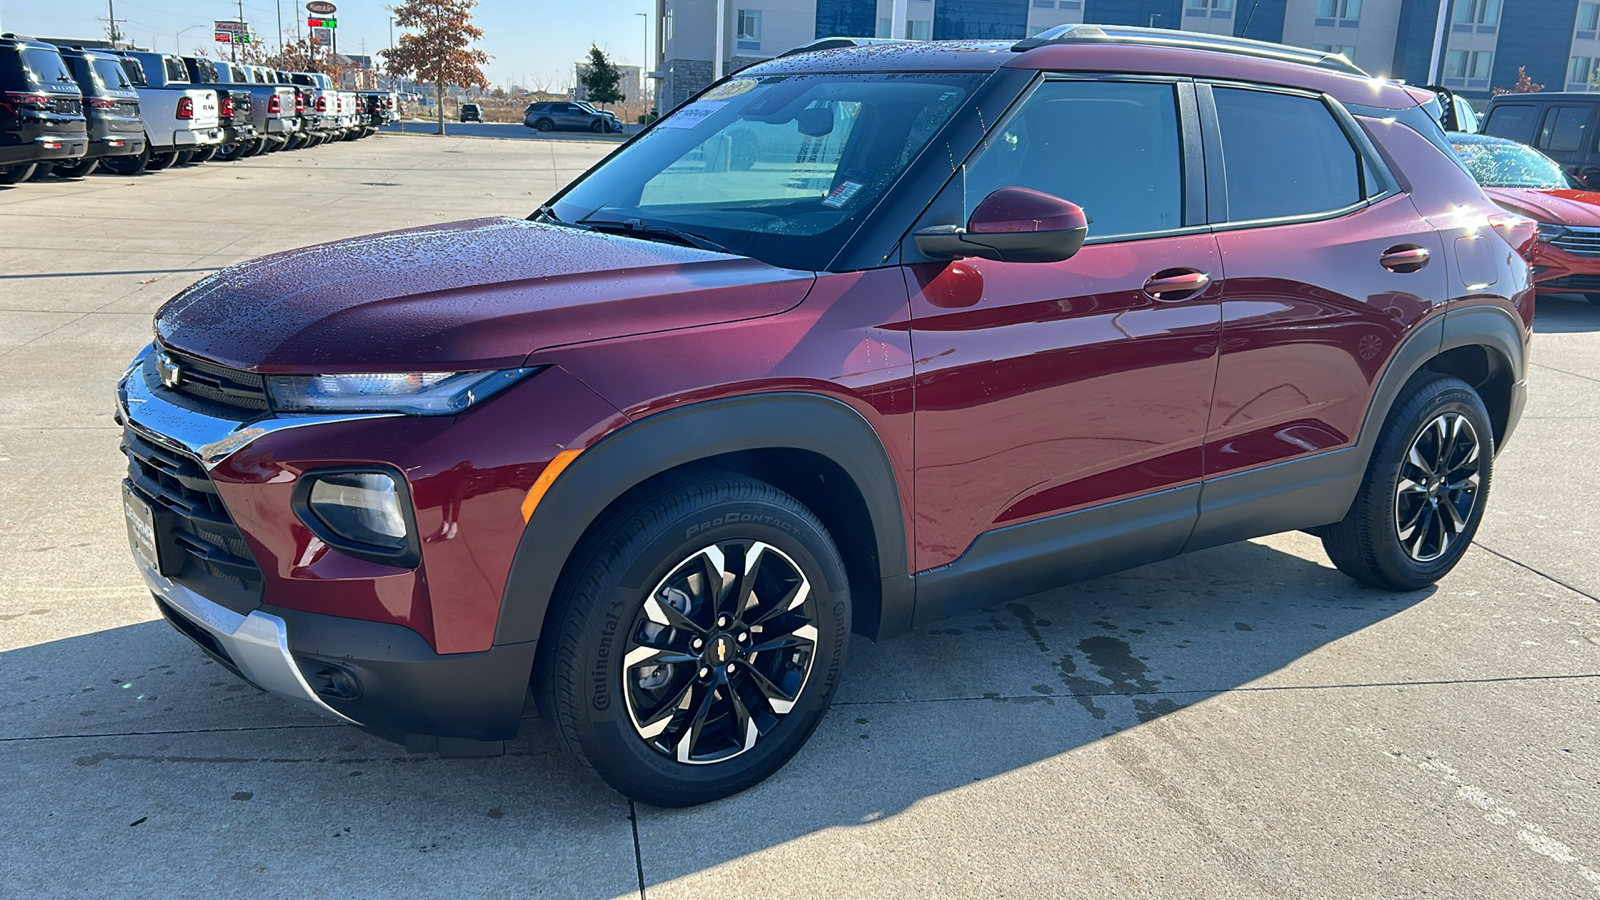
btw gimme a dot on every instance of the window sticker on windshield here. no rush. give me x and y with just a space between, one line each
842 194
693 114
730 90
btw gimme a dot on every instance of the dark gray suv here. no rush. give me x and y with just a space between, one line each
562 115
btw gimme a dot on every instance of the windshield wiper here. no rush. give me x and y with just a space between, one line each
637 228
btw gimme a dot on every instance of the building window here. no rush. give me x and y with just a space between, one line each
1348 51
1579 70
750 26
1045 4
1480 15
1473 65
668 26
1344 13
1588 19
1201 7
918 30
885 28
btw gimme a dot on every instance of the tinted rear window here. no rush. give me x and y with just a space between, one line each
1564 128
1513 121
1284 156
112 75
45 67
176 73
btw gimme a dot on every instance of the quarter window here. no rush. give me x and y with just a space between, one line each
1113 148
1284 155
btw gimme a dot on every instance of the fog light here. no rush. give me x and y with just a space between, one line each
363 507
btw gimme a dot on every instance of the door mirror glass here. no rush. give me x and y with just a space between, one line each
1011 224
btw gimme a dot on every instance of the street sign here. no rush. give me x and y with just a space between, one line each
232 27
321 8
322 35
315 22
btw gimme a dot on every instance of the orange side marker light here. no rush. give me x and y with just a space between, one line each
546 478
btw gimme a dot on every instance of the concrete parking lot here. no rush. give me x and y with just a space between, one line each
1240 722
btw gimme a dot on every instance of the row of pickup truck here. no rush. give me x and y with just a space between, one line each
67 110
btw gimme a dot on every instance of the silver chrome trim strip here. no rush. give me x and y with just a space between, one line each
210 439
258 643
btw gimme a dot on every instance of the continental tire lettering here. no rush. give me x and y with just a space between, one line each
602 663
766 519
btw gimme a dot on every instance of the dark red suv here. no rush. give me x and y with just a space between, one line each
855 340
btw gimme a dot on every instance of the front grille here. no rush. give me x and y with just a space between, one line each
208 381
202 549
1579 241
1572 283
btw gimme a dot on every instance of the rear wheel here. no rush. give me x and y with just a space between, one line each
1424 491
230 152
698 640
127 165
204 154
78 169
544 125
16 173
159 161
183 158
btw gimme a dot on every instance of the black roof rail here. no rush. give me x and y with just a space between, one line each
834 43
1189 40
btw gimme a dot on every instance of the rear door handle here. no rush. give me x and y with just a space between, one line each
1172 285
1404 258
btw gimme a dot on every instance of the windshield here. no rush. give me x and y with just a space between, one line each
780 168
45 67
1496 164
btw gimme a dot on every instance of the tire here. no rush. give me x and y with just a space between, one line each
599 126
230 152
205 154
41 171
79 169
17 173
544 125
668 538
159 161
254 148
184 158
1408 528
127 165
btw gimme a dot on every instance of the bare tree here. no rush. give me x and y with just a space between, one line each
437 47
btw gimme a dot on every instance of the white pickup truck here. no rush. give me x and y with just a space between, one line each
179 117
335 111
272 104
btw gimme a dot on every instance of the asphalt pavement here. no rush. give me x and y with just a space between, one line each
504 130
1240 722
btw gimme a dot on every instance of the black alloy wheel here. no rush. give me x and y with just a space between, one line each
698 637
544 125
230 152
127 165
1424 492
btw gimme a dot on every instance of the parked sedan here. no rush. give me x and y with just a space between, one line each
562 115
1526 182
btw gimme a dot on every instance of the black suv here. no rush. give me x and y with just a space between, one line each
41 109
1560 124
471 112
110 106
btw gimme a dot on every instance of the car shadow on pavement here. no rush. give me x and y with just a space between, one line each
964 701
1565 314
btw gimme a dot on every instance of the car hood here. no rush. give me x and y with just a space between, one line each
1561 207
462 296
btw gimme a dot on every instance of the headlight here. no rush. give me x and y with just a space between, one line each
1549 231
413 393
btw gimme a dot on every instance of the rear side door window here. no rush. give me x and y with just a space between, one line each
1512 121
1284 155
1564 129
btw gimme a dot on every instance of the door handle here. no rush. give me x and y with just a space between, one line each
1172 285
1404 258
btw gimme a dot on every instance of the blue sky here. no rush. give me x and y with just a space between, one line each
529 41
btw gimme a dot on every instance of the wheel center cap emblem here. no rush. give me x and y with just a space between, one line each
721 649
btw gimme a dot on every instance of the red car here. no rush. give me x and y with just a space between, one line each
856 340
1525 181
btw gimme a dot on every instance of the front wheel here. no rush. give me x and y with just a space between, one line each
699 637
1424 491
78 169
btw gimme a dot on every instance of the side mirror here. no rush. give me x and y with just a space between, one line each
1011 225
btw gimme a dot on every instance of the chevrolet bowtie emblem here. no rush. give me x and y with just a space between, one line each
170 374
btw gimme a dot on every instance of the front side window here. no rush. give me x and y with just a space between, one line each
1284 155
1113 148
777 167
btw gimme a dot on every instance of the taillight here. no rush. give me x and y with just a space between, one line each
17 101
299 103
227 108
1520 232
322 104
185 107
100 102
274 104
389 102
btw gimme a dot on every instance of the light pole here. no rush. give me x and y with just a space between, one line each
644 64
177 39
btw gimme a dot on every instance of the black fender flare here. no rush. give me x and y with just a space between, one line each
659 443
